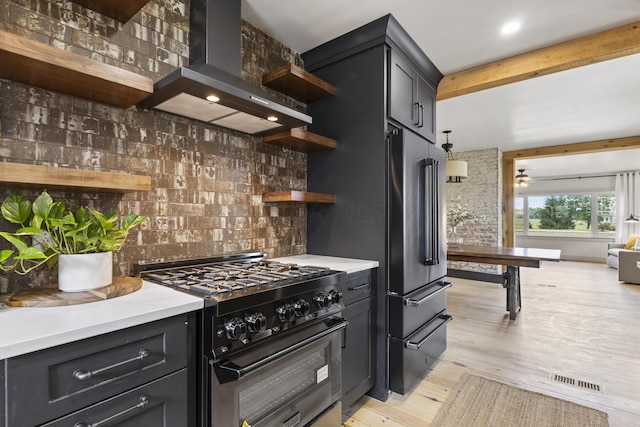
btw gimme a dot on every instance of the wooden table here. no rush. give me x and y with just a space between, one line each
511 257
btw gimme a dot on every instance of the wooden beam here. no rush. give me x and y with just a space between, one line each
602 46
578 148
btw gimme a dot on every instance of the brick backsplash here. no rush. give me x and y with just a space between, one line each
481 192
206 181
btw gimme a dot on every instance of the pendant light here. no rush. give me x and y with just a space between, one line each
522 179
455 169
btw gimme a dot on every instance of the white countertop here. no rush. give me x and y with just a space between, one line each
27 329
348 265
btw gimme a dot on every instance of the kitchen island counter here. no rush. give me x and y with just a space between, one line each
348 265
28 329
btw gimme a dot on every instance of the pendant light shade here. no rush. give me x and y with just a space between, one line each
456 170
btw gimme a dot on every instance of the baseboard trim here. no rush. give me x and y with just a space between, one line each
475 275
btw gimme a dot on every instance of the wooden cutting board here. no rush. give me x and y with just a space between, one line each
51 296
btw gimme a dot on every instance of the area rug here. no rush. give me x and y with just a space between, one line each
479 402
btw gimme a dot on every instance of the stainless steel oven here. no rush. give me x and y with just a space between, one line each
288 382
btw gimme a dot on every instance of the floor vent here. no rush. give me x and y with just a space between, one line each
579 383
590 386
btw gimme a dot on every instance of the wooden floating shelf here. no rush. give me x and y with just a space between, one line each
18 173
298 83
300 140
121 10
298 197
38 64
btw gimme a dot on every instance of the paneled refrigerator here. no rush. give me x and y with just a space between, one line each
388 177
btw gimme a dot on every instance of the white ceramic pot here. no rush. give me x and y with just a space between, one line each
84 272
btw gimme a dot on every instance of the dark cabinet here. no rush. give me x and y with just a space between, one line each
384 82
412 99
139 373
358 352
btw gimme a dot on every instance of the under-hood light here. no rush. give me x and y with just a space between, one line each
213 98
272 118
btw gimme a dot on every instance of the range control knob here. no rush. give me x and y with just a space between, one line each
236 329
301 307
322 299
286 313
336 296
256 322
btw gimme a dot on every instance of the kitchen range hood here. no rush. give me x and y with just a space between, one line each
211 88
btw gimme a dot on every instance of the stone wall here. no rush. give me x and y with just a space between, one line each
481 192
207 181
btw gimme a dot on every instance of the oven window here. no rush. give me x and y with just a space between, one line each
261 398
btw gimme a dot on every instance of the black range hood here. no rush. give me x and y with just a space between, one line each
215 71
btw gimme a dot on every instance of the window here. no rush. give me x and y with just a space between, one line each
575 215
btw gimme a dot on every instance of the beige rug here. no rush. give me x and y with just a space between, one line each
479 402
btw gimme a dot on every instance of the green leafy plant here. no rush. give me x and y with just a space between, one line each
49 228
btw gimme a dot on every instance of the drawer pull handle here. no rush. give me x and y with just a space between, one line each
82 374
144 401
409 302
357 288
416 346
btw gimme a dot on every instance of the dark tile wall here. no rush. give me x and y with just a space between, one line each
207 181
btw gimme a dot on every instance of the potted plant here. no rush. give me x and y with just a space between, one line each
80 243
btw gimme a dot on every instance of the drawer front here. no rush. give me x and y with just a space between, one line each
409 312
357 286
412 358
47 384
161 403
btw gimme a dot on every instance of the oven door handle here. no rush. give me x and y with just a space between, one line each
228 371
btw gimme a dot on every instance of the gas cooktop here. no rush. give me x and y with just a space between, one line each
228 277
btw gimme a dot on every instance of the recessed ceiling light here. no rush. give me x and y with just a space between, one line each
213 98
510 28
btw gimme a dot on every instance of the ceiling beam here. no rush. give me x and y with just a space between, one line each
578 148
602 46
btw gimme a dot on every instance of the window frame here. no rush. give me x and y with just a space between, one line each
594 212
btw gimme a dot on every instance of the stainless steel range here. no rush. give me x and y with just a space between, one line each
270 337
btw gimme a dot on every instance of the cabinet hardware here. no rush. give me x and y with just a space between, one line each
416 346
82 374
144 401
410 302
357 288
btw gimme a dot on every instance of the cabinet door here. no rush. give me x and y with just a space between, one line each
427 110
403 104
358 353
412 99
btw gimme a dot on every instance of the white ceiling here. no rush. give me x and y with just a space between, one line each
594 102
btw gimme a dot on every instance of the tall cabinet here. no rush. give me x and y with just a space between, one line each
384 82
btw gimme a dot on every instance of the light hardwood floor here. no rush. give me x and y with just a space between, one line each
577 321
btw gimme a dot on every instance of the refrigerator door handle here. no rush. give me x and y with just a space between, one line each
431 236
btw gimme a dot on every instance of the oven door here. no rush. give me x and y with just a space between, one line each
285 382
